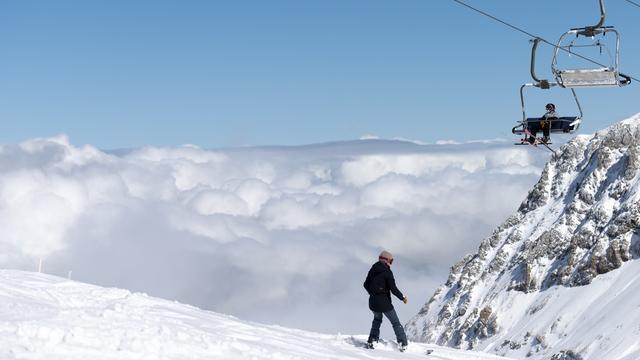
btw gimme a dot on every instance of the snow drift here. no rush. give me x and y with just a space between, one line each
558 278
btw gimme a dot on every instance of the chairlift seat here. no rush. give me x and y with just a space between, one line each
565 124
602 77
561 125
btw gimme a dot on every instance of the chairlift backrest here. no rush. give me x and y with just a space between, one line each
561 125
601 77
565 124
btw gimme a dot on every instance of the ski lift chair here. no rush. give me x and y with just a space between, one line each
601 76
559 125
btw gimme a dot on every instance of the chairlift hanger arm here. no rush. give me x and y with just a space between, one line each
602 16
590 31
542 84
534 47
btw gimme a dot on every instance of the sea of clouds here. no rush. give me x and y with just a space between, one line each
281 235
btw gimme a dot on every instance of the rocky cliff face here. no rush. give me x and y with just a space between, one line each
531 281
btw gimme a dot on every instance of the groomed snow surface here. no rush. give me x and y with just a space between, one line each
47 317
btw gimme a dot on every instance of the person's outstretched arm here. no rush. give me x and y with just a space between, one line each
391 282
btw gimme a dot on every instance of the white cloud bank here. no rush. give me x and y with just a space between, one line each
279 234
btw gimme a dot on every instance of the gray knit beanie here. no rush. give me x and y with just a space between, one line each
385 255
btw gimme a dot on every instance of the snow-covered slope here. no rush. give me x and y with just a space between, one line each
46 317
558 278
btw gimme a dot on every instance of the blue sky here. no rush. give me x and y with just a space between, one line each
284 72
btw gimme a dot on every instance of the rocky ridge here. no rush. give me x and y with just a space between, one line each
580 221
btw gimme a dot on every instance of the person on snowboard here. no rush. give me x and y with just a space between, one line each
379 285
545 124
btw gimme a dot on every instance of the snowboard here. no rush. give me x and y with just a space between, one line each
380 342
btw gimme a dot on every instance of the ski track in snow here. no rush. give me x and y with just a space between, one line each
46 317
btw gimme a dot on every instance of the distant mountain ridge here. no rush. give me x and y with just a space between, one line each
541 271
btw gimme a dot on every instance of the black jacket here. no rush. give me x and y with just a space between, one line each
380 284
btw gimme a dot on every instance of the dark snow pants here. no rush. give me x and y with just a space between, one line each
395 322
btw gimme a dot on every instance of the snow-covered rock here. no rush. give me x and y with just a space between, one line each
557 279
46 317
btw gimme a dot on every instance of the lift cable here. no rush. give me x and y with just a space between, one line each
516 28
633 3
